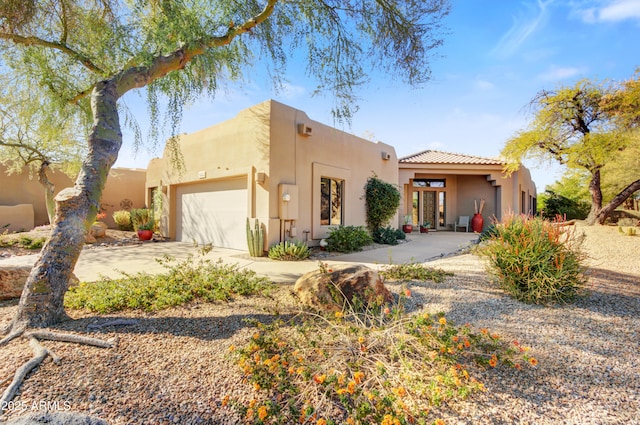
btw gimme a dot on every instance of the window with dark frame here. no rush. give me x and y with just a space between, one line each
331 194
429 183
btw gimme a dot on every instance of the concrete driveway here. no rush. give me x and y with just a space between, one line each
111 261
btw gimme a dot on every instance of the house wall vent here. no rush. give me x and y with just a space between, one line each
304 130
386 156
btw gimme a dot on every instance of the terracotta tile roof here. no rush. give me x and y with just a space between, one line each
439 157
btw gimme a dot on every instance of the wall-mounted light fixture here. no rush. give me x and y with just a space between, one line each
286 197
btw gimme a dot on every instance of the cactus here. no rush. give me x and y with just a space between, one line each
255 239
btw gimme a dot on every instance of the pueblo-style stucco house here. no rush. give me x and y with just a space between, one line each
272 162
299 177
439 187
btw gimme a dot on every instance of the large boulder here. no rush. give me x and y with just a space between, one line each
13 278
327 290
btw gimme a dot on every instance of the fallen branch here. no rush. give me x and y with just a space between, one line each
85 340
40 353
116 322
13 335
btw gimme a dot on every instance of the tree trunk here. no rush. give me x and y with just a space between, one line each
49 189
596 197
42 299
606 211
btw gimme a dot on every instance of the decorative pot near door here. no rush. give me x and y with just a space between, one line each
477 222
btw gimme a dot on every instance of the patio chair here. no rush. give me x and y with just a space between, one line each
463 221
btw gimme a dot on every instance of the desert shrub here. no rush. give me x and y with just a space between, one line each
629 231
400 235
386 235
382 200
534 260
123 219
372 366
414 271
628 222
289 251
185 281
25 242
556 204
348 238
141 219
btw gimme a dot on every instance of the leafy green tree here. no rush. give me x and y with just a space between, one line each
35 140
567 197
91 53
573 126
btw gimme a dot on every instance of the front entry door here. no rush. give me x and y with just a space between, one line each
429 208
426 208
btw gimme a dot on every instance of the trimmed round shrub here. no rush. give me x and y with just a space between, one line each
348 238
386 235
534 260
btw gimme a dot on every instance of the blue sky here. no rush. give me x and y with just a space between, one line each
497 56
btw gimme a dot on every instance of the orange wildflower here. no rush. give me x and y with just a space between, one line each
262 412
533 361
351 387
319 379
225 400
442 321
358 377
494 361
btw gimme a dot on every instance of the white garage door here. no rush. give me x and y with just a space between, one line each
213 212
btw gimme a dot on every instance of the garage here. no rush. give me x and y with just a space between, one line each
213 212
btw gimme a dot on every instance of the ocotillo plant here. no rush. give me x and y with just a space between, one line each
255 239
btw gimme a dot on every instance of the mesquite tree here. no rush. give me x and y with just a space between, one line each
88 54
578 127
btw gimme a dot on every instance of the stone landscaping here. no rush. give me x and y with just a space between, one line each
173 366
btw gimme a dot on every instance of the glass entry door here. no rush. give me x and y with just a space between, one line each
426 208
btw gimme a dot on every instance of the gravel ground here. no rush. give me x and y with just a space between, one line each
171 367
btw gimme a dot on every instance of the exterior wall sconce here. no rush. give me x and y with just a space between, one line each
286 197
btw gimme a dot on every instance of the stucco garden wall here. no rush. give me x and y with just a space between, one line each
123 187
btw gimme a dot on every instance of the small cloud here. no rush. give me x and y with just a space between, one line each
559 73
522 28
484 85
611 11
290 91
620 10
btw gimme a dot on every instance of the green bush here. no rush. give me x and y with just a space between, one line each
386 235
348 238
535 260
414 271
185 281
400 234
123 219
382 200
142 219
289 251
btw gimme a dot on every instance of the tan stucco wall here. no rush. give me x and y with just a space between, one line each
263 144
19 188
124 189
16 218
328 152
121 184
